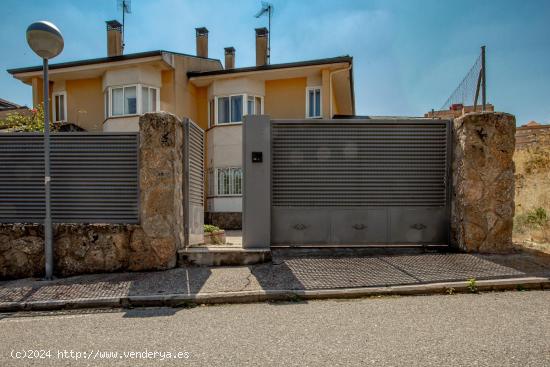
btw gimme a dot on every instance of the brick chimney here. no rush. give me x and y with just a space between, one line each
262 35
202 41
229 57
114 38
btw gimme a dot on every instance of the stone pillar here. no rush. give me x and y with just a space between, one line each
483 182
154 245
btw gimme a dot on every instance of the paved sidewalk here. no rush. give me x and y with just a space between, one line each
285 273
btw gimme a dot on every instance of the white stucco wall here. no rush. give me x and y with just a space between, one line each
225 204
122 124
134 75
224 148
236 86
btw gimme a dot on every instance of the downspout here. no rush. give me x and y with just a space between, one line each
330 84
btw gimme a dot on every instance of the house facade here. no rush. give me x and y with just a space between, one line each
110 93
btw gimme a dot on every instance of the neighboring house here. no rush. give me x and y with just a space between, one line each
457 110
7 107
109 94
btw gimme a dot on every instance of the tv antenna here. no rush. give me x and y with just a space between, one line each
267 8
126 7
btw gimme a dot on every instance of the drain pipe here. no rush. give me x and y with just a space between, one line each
330 84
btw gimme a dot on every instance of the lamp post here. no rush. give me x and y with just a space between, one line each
45 39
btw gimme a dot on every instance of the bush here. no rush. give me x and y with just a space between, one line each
209 228
27 122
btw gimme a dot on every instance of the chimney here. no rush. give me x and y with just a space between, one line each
114 38
229 57
261 46
202 41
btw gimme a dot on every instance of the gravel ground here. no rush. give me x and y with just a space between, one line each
492 329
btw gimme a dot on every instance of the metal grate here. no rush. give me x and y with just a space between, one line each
349 164
94 178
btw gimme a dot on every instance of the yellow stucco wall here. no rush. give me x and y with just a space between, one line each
285 98
201 96
85 106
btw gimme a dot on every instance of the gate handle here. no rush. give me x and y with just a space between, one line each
418 226
359 226
300 226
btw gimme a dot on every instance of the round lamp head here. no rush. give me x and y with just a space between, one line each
45 39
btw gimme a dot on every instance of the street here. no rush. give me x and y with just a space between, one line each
491 329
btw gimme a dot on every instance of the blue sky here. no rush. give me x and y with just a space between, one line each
408 55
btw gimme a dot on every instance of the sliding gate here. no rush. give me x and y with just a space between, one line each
360 182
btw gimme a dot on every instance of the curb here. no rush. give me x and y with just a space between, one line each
189 300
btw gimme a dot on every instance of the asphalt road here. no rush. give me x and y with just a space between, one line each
493 329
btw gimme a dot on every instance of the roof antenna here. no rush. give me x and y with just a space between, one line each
267 8
126 7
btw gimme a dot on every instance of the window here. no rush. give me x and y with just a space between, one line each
148 99
228 181
254 105
60 107
211 113
231 109
131 100
313 102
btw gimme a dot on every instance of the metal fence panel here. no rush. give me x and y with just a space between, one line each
95 177
359 164
194 186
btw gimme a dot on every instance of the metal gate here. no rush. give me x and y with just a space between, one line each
194 183
360 182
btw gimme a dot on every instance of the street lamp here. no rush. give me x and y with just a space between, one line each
45 39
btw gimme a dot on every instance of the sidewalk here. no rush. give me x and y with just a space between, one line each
287 277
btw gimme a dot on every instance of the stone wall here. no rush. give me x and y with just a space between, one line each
483 182
92 248
224 220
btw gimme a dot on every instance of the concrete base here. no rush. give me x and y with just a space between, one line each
222 256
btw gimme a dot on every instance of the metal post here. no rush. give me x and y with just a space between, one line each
269 37
48 246
483 81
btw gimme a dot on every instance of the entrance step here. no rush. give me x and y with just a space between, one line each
222 256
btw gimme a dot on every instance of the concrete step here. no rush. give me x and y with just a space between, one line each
222 256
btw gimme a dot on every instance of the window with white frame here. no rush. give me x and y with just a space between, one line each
255 105
231 109
60 107
228 181
131 100
313 102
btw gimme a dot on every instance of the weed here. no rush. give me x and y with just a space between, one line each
520 288
450 291
532 219
472 285
294 298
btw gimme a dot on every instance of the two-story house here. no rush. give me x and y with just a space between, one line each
109 94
